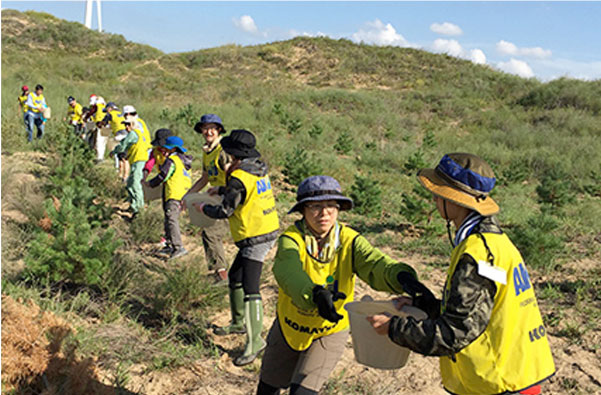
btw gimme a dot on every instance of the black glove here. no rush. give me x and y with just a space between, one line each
423 298
324 299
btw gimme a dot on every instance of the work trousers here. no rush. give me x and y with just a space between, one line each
31 119
213 246
282 366
134 186
172 233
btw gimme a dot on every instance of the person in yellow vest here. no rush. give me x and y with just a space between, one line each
35 106
215 163
21 100
175 176
135 146
114 119
74 115
316 264
487 329
249 205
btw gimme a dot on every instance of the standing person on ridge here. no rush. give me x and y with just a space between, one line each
249 205
176 179
487 329
35 106
22 99
74 115
215 163
136 145
315 266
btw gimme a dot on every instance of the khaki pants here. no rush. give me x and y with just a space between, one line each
311 368
212 241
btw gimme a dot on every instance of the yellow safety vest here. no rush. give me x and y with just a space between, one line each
210 164
116 121
75 113
300 327
99 114
22 100
257 215
513 352
37 101
180 181
139 150
144 127
158 156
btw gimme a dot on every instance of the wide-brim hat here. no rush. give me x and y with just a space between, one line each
320 188
174 142
241 144
464 179
209 118
160 137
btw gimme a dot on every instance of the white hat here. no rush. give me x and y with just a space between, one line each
100 100
128 109
93 99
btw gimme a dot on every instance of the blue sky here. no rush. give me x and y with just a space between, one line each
545 40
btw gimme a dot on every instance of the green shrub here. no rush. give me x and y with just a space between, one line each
344 143
416 161
300 164
294 125
367 196
429 141
147 227
538 243
555 188
315 131
72 249
416 206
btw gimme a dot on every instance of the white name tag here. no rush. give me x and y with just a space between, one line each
491 272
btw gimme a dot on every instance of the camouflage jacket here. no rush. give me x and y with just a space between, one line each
468 310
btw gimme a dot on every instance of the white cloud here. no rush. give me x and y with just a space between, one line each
517 67
296 33
477 56
246 23
446 28
450 47
378 33
507 48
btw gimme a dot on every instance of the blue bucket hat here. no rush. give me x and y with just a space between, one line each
110 105
209 118
319 188
174 142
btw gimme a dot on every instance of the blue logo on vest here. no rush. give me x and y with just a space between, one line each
263 185
213 171
521 279
537 333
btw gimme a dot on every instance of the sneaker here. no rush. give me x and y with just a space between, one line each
167 250
221 276
178 252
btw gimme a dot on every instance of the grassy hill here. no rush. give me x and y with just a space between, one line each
369 116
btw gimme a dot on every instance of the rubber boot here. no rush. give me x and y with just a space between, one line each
254 323
237 309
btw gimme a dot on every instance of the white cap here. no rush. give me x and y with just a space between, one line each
93 100
100 100
128 109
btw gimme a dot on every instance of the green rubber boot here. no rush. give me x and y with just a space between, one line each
254 323
237 309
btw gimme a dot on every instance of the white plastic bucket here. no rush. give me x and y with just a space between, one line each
100 146
46 112
196 217
372 349
151 194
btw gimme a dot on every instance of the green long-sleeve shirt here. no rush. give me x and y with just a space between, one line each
127 142
370 264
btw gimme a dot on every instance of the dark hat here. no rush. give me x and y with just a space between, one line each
241 143
464 179
209 118
110 105
174 142
319 188
70 99
160 136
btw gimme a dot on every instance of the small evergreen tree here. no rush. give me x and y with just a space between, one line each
344 143
300 165
367 196
555 188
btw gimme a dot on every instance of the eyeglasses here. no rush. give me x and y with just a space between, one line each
207 128
316 208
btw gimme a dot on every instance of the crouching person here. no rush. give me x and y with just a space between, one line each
249 205
175 176
487 330
316 264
